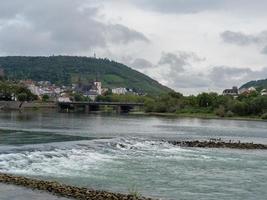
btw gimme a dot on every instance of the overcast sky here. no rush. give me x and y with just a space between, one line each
188 45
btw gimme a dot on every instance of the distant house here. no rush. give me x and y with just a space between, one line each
91 90
92 95
231 92
119 90
243 90
264 92
63 99
247 91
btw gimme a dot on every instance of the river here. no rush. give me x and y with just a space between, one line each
122 153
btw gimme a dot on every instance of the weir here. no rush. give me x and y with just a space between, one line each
87 107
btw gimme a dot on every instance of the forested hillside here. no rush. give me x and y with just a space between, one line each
68 69
257 84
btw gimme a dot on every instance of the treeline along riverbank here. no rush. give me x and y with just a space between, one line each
209 105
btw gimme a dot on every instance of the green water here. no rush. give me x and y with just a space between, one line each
121 152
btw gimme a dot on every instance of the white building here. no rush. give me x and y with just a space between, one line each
231 92
119 91
34 89
63 99
264 92
252 89
98 87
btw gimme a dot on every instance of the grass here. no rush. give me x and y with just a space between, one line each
134 192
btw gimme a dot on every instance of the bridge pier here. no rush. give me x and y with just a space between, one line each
94 108
124 109
118 109
87 107
76 108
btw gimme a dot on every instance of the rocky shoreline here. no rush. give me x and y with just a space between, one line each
66 190
218 143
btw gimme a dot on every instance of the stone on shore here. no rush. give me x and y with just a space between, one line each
66 190
219 144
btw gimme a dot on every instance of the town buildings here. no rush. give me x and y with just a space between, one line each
91 90
119 90
123 91
231 92
42 88
247 91
264 92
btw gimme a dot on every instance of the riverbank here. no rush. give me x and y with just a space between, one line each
198 115
35 105
62 190
43 106
13 192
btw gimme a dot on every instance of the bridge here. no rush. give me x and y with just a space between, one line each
87 107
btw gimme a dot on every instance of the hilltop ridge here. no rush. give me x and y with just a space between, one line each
68 69
255 83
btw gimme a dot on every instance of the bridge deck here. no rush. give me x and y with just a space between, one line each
102 103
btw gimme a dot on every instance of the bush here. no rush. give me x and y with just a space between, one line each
239 108
264 116
220 111
134 193
78 97
229 114
149 106
45 98
22 97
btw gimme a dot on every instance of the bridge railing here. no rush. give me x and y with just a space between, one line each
102 103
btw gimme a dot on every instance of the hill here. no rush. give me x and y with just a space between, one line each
68 69
256 84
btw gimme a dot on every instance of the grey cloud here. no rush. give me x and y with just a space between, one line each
179 60
61 26
178 6
189 80
179 76
240 38
9 9
219 78
123 34
264 50
175 62
222 75
141 63
245 7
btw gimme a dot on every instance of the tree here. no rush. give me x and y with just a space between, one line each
175 95
240 108
204 100
150 105
78 97
22 97
220 111
45 98
258 105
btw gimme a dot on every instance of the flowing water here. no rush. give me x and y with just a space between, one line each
122 153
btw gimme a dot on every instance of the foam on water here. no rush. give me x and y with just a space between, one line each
55 161
116 164
79 158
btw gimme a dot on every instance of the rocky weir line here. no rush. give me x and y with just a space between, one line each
66 190
217 143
